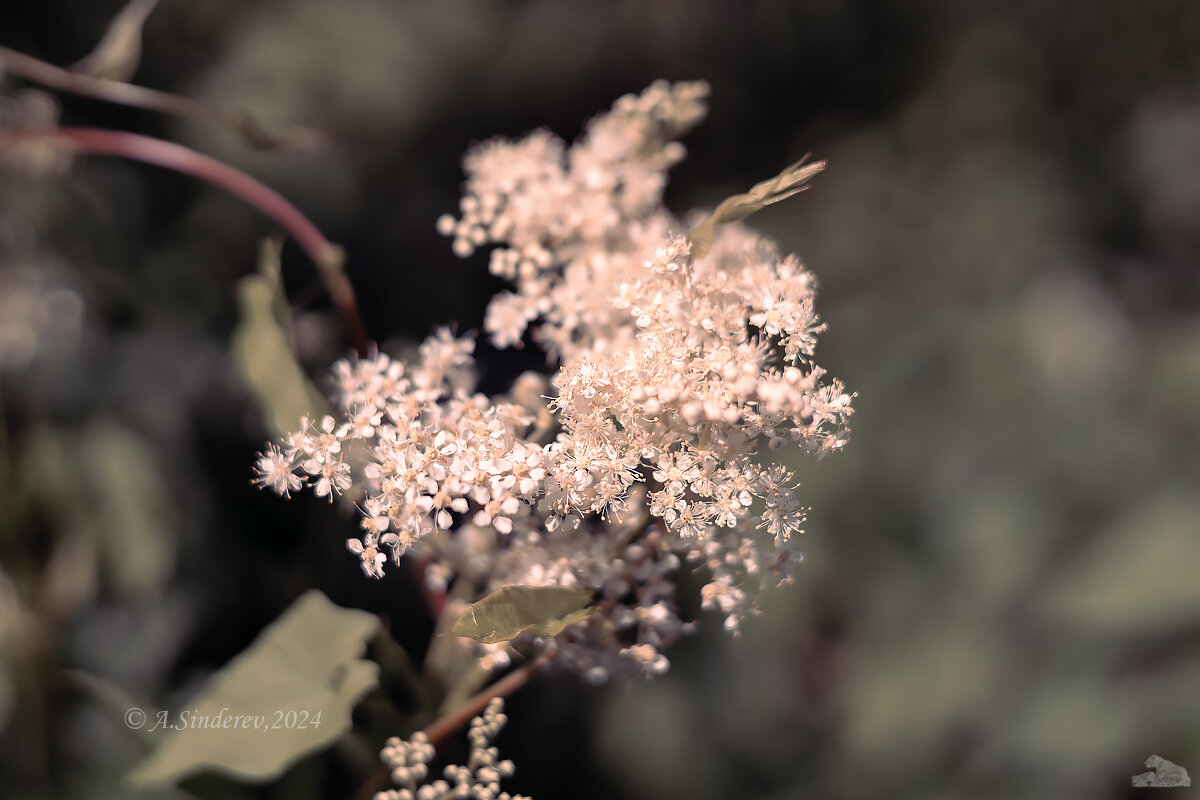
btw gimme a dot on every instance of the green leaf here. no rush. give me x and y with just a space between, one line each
261 348
508 612
127 500
782 186
304 664
1140 576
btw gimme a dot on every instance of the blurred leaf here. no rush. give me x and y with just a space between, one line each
115 702
1173 376
260 346
129 506
306 662
909 693
1141 576
1063 722
509 612
473 677
119 52
740 206
452 660
107 494
993 534
269 266
14 622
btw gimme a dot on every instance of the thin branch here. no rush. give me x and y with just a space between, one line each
328 257
441 729
128 94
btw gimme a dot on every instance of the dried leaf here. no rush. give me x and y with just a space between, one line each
509 612
782 186
119 52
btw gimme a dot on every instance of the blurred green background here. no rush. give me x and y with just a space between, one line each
1001 596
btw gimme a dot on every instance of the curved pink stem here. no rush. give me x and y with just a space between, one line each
327 256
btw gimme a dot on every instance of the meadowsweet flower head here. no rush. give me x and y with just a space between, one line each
682 361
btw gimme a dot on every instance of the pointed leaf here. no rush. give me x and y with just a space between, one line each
118 54
287 695
782 186
508 612
263 353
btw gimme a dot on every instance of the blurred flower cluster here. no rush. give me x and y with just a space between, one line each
680 362
39 311
31 110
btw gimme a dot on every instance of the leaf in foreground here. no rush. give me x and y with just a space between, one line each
265 703
509 612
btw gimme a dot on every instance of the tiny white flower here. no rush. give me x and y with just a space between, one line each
274 471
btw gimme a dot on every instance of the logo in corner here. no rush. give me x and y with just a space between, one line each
1165 774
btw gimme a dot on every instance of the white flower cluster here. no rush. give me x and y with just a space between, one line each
565 215
478 780
431 450
679 366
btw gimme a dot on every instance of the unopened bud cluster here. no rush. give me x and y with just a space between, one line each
479 779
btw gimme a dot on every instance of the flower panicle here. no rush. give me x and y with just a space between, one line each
678 372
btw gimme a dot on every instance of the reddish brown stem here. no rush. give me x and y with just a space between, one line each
441 729
128 94
327 256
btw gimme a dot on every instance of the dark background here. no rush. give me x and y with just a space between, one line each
1002 590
